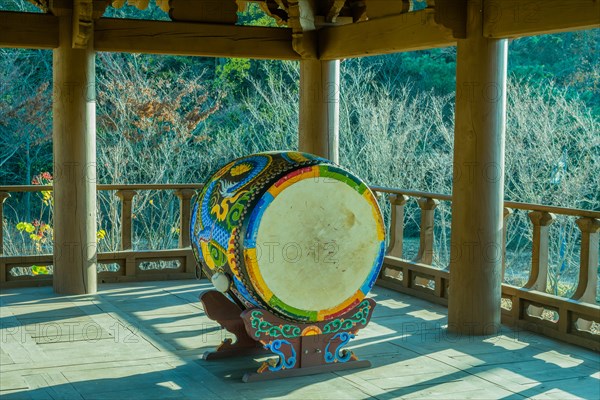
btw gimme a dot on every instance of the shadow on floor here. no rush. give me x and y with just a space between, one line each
165 331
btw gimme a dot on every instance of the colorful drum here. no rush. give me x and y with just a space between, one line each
289 232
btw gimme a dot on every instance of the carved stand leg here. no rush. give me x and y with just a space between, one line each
227 314
301 348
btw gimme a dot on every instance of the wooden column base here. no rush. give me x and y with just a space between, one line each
301 348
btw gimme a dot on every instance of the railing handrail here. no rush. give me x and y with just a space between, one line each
135 186
410 193
577 212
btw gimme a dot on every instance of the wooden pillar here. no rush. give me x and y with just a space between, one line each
74 147
478 181
319 108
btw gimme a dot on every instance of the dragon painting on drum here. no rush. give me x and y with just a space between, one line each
289 232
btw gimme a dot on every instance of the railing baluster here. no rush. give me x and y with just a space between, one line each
185 197
539 256
588 270
507 213
3 197
427 205
397 225
126 197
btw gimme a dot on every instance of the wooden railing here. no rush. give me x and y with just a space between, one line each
527 307
129 260
575 319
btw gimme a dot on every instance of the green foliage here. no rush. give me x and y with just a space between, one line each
152 12
171 119
570 59
25 126
425 70
19 5
233 72
254 16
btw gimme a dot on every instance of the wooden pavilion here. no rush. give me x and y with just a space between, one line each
319 33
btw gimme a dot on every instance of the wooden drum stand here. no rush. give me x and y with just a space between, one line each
301 348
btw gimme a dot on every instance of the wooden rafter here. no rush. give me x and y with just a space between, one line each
326 11
333 10
358 9
139 4
276 9
163 5
41 4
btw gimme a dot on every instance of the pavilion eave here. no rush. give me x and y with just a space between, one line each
428 28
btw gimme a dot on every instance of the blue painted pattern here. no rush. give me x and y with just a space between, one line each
339 354
283 363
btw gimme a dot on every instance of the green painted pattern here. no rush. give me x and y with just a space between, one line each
287 331
360 317
217 254
290 331
236 210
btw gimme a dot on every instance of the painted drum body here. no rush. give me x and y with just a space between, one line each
292 232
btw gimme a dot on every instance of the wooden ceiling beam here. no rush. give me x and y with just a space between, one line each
28 30
404 32
515 18
192 39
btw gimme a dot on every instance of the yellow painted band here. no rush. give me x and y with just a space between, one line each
255 276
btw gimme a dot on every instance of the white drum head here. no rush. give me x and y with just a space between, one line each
318 243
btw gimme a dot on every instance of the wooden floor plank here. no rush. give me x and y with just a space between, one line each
54 384
12 382
568 389
152 334
535 372
116 379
